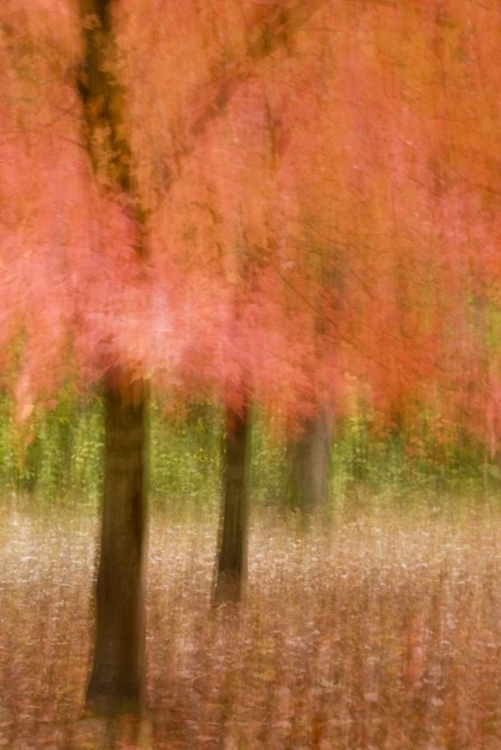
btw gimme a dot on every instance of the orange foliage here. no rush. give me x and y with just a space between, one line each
320 183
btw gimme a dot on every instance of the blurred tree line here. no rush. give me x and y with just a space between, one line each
58 458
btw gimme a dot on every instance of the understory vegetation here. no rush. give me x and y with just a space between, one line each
58 457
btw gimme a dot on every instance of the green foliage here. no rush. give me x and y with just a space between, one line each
185 455
267 465
59 456
407 465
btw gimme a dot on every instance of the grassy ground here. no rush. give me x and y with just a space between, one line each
380 631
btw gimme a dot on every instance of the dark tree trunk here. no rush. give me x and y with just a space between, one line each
117 680
232 556
29 479
308 463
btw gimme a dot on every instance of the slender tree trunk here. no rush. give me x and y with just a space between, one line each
32 466
308 463
117 680
232 556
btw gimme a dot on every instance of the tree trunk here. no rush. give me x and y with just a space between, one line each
232 556
308 464
118 674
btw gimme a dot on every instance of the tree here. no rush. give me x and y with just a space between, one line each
309 463
232 555
117 675
117 681
117 678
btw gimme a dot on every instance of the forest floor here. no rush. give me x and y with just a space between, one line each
378 631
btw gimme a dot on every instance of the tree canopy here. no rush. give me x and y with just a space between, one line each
317 184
